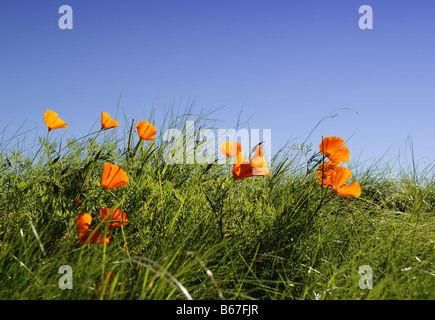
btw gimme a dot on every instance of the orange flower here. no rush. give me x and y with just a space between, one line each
94 237
86 235
115 217
83 222
332 148
146 131
113 176
52 121
256 167
336 180
257 160
107 122
230 149
324 172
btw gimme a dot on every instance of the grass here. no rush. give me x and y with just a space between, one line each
196 233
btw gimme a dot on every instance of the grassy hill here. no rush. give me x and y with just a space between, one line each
195 232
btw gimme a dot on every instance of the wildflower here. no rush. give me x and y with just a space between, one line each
146 131
115 217
86 235
83 222
324 172
333 148
256 167
337 179
107 122
52 121
94 237
257 160
113 176
230 149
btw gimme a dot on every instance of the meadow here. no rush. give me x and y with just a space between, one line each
198 231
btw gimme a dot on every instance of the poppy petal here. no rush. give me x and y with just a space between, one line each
113 176
146 131
94 237
257 160
350 190
329 144
342 154
83 222
52 121
339 177
230 149
242 171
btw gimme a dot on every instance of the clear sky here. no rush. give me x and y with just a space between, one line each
286 63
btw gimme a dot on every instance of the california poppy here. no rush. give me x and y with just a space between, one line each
107 122
86 235
242 168
257 160
333 148
94 237
146 130
255 167
337 179
324 172
52 121
113 176
115 217
230 149
83 222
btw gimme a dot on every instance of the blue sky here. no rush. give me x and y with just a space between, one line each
286 63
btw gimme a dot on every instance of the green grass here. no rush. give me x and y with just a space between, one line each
195 232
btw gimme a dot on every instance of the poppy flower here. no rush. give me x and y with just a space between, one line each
52 121
257 160
146 130
94 237
324 172
107 122
86 235
230 149
242 168
333 148
83 222
115 217
113 176
337 179
255 167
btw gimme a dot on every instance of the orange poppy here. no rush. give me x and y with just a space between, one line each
257 160
256 167
113 176
333 148
324 172
107 122
115 217
242 168
337 179
94 237
86 235
230 149
146 130
52 121
83 222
